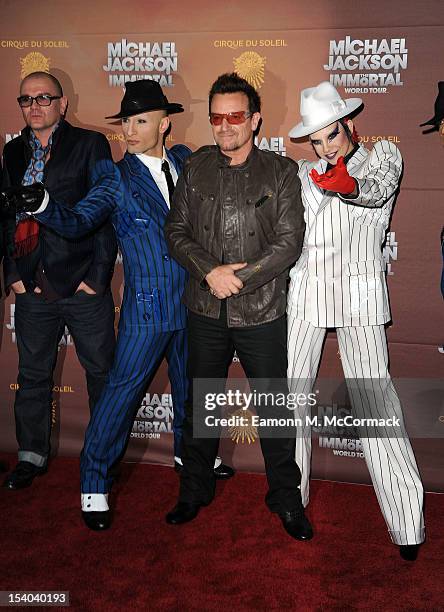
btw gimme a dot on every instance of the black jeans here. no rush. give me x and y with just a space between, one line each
262 352
39 326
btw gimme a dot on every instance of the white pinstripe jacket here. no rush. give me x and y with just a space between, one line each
339 280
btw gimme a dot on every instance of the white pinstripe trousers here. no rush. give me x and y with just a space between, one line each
390 460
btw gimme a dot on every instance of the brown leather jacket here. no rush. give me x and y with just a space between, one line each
225 214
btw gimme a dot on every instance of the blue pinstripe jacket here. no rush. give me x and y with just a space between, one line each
154 282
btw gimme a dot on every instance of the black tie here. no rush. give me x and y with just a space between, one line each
169 179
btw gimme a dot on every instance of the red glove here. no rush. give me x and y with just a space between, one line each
337 179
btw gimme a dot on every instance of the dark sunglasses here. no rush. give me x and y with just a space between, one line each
232 118
41 99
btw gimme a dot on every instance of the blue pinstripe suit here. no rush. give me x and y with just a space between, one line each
152 320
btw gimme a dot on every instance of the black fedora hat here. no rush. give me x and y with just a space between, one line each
439 109
142 97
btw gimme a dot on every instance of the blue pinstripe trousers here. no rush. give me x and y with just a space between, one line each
136 360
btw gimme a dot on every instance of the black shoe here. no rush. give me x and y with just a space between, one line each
222 472
409 552
297 524
22 475
182 513
97 521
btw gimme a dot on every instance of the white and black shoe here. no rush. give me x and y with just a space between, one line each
221 471
95 511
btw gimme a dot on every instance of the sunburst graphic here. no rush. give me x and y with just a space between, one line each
34 62
245 432
250 66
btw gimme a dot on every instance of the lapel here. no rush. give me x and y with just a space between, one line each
146 184
315 195
173 160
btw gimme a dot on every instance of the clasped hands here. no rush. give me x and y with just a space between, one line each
22 198
336 179
223 281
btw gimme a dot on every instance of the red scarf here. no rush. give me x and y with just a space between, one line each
26 237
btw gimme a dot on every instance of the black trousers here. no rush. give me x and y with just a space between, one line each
39 326
262 352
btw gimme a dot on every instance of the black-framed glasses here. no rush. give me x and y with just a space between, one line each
41 99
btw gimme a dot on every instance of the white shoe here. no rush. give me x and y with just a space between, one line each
94 502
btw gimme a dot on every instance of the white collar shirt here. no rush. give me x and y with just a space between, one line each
154 165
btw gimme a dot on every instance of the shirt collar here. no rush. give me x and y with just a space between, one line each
153 163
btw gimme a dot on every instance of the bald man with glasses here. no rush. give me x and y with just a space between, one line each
57 282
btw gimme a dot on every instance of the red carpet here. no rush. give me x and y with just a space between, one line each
234 556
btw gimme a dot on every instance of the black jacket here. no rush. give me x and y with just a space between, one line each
229 214
68 176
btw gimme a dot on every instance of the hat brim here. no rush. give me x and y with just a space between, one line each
432 121
429 130
300 130
171 108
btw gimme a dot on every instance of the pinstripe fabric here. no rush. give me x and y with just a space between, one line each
151 323
153 319
154 281
390 460
136 361
339 279
305 344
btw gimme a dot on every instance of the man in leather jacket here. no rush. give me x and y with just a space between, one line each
236 225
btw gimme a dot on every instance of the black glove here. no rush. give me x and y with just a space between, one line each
22 199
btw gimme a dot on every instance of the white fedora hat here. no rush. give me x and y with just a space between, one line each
320 106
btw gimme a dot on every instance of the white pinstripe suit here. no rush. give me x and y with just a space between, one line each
339 281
